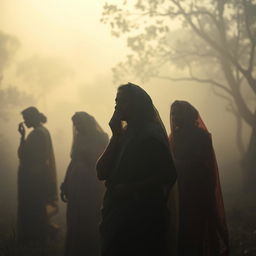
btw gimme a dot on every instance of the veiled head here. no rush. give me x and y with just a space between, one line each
183 114
133 103
83 122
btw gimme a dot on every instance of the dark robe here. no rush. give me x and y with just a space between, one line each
85 195
37 188
138 223
202 229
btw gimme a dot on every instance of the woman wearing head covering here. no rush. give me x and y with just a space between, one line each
37 185
137 168
81 189
203 229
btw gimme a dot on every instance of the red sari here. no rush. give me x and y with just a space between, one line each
202 224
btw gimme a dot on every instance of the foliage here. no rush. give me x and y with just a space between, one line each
210 41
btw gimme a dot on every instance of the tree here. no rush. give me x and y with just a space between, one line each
195 37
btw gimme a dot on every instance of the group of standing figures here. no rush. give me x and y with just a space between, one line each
162 195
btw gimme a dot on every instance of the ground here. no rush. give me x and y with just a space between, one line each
240 210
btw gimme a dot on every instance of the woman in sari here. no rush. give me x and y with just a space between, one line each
203 229
37 185
81 189
138 170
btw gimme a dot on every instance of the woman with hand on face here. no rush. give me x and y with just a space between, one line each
202 229
81 189
37 183
138 170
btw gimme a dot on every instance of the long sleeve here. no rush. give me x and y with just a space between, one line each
21 149
106 161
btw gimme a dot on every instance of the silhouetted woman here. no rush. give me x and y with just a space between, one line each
137 168
202 230
81 189
37 188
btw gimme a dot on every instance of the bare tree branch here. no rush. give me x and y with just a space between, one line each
217 93
239 132
252 56
247 24
185 54
217 47
250 35
239 127
195 79
231 108
241 104
238 27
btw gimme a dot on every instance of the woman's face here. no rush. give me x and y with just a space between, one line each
177 119
28 121
78 125
182 117
124 105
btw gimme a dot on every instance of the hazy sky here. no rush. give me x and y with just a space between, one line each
66 56
69 28
67 37
66 29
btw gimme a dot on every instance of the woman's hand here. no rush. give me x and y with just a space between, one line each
115 123
63 193
21 130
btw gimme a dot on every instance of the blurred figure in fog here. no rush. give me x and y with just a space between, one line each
37 185
81 189
138 169
202 224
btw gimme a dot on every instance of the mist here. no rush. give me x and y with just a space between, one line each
58 56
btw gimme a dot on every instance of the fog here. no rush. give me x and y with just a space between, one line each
60 60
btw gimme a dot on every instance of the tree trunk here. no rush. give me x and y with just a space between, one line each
249 163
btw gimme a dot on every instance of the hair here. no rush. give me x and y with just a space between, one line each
34 115
43 118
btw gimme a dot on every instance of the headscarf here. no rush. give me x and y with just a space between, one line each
146 115
189 113
89 138
146 124
218 219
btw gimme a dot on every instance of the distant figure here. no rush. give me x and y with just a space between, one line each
203 229
81 189
138 170
37 185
